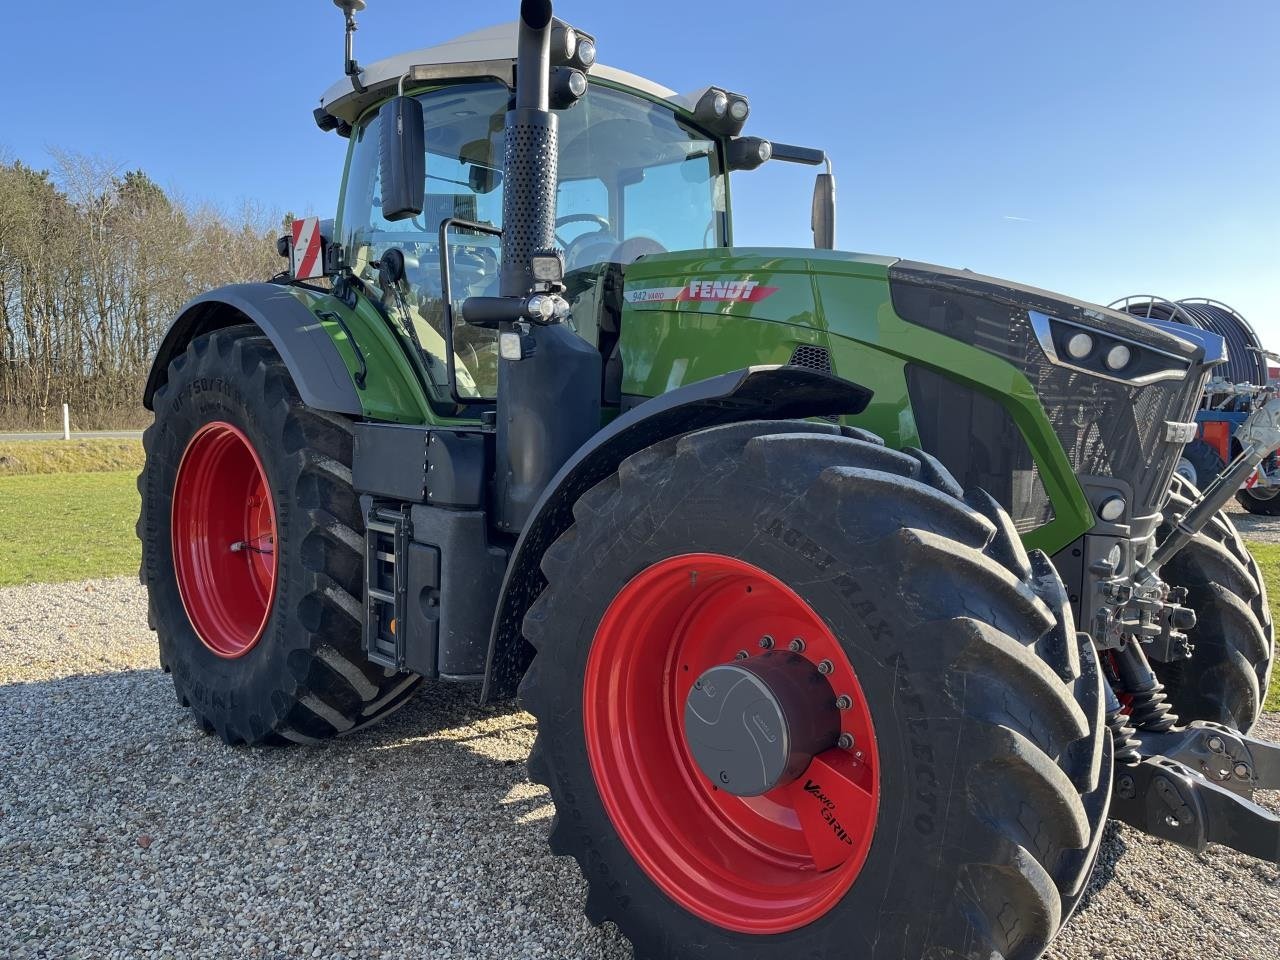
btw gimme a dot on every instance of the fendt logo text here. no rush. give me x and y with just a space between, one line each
719 291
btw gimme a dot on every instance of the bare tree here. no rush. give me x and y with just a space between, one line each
94 264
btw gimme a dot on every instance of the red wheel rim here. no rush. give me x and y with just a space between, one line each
760 865
224 536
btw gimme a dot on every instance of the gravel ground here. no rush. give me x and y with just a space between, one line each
1252 526
125 832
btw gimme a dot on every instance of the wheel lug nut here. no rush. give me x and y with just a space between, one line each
845 742
740 655
1216 744
843 702
796 645
724 777
766 642
1242 771
825 667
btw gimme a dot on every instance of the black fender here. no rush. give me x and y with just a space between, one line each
756 393
321 377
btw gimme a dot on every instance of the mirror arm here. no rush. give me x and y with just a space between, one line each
806 155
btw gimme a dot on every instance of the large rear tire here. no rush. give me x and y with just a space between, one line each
971 795
1227 677
253 546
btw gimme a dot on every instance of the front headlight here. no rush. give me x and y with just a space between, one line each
1069 343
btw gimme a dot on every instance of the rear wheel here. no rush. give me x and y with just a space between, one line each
796 695
253 550
1226 679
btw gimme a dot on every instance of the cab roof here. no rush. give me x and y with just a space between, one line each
489 52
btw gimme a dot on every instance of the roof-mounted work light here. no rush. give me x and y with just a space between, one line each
568 86
570 47
722 112
748 153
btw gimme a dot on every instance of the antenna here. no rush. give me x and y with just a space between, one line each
352 69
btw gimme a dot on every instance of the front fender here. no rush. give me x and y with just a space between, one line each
318 371
756 393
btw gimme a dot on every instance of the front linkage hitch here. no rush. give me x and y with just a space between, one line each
1192 784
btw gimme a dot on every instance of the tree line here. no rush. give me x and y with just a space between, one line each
94 264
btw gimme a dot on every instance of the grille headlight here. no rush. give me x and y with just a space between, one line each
1118 357
1112 509
1080 346
1105 353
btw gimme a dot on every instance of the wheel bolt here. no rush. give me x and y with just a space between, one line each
740 655
843 702
1216 744
766 642
1243 772
845 742
724 777
796 645
825 667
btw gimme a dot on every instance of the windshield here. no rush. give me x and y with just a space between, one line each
634 180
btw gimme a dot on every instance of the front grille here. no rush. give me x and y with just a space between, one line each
1107 429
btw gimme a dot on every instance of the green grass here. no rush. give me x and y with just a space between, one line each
70 456
69 526
1268 557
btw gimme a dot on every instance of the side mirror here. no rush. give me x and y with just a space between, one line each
824 212
403 147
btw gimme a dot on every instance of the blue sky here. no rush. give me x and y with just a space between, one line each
1094 148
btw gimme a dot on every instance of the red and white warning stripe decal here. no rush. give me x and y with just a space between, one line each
716 291
307 262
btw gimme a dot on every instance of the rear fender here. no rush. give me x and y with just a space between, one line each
756 393
314 362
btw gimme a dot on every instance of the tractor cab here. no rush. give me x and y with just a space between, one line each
642 171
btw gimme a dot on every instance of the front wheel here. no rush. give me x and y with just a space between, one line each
252 551
1233 642
797 696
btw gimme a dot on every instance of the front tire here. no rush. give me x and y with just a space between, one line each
1227 677
980 795
253 546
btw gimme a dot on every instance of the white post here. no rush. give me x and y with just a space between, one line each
66 421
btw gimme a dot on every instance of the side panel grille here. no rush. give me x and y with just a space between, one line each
811 358
976 439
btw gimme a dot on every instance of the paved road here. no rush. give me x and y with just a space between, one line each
127 833
75 435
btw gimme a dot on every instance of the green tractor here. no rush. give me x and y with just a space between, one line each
851 595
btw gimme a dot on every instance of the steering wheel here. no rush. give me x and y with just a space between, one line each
599 221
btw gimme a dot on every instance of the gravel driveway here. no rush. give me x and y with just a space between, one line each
125 832
1254 527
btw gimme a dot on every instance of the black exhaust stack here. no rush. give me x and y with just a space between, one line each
549 400
532 162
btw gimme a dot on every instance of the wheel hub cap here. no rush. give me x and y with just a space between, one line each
754 725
